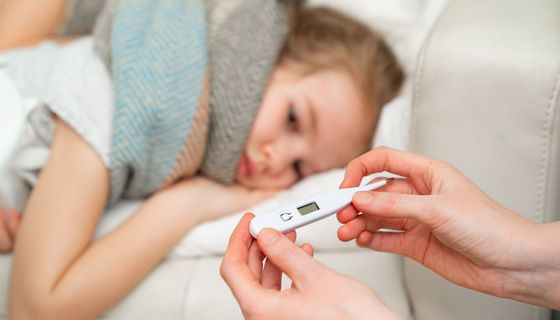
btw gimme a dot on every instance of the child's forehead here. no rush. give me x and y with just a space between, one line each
336 84
343 133
335 92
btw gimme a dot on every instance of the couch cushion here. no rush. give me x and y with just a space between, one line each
191 288
486 101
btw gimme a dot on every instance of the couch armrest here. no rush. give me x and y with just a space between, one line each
487 100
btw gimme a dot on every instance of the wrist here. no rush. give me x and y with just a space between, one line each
546 275
372 307
175 204
539 281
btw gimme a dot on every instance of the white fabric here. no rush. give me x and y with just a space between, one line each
12 111
74 84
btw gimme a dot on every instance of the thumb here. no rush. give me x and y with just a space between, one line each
396 205
287 257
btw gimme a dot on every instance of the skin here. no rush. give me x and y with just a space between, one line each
447 224
452 227
27 22
315 292
56 233
306 124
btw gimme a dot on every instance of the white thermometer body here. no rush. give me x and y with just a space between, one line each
309 210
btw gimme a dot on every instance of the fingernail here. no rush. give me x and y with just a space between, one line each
267 236
363 198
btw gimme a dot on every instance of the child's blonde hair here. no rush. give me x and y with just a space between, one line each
321 38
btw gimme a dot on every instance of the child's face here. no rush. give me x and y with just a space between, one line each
306 124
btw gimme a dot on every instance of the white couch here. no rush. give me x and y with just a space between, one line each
486 99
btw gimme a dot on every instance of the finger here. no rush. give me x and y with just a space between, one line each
397 185
235 269
307 248
288 257
5 239
13 224
291 235
395 205
405 164
352 229
272 276
347 214
255 260
399 243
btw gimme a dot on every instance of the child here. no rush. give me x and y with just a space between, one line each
319 110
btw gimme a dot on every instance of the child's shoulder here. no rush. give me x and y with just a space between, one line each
69 81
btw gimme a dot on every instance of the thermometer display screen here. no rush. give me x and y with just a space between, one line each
308 208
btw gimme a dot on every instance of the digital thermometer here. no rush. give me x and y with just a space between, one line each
309 210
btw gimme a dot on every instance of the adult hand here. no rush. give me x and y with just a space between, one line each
317 292
450 226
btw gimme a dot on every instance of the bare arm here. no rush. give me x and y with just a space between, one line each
27 22
56 266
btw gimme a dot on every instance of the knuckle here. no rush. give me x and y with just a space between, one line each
353 164
282 255
224 269
435 217
392 202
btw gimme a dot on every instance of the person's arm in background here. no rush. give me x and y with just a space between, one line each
317 291
59 273
27 22
452 227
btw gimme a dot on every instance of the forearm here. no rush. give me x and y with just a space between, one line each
110 267
56 267
115 264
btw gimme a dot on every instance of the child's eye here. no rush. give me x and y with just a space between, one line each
292 119
297 168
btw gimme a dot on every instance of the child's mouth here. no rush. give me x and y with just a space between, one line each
246 166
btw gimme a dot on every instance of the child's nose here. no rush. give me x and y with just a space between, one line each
279 156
